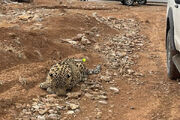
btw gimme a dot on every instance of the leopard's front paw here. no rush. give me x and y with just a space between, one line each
44 85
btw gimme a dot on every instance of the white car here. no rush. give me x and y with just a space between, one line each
173 39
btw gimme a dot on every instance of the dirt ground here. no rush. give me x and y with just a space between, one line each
35 36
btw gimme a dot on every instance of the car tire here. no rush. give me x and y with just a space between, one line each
123 2
172 71
26 1
142 2
128 2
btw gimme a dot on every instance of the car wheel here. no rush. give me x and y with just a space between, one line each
123 2
26 1
172 71
129 2
142 2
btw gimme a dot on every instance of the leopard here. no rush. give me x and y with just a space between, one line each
65 75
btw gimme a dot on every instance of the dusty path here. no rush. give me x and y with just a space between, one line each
127 41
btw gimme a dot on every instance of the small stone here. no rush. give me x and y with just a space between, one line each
53 117
132 108
70 112
52 95
73 106
103 97
28 113
77 111
105 78
25 17
35 107
97 47
42 112
88 95
40 118
130 71
97 35
1 83
35 99
18 105
78 37
61 14
51 111
71 41
103 102
74 95
114 89
85 41
99 115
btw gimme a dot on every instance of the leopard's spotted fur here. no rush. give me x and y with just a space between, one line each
65 75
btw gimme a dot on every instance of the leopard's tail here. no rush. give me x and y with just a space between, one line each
97 70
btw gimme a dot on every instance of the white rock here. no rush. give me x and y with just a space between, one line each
73 106
71 41
40 118
74 95
70 112
103 102
114 89
85 41
89 95
53 117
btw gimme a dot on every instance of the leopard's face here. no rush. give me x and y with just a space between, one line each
60 75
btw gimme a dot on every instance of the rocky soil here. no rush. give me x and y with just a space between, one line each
127 41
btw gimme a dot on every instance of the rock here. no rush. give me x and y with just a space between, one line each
106 78
94 29
103 102
23 81
85 41
114 89
74 95
88 95
35 106
41 118
78 37
18 105
25 17
70 112
37 18
130 71
89 33
94 14
77 111
52 95
42 112
61 14
53 117
97 47
73 106
28 113
98 115
102 97
51 111
70 41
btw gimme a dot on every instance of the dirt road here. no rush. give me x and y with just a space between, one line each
129 43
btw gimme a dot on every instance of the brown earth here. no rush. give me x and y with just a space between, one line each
28 54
